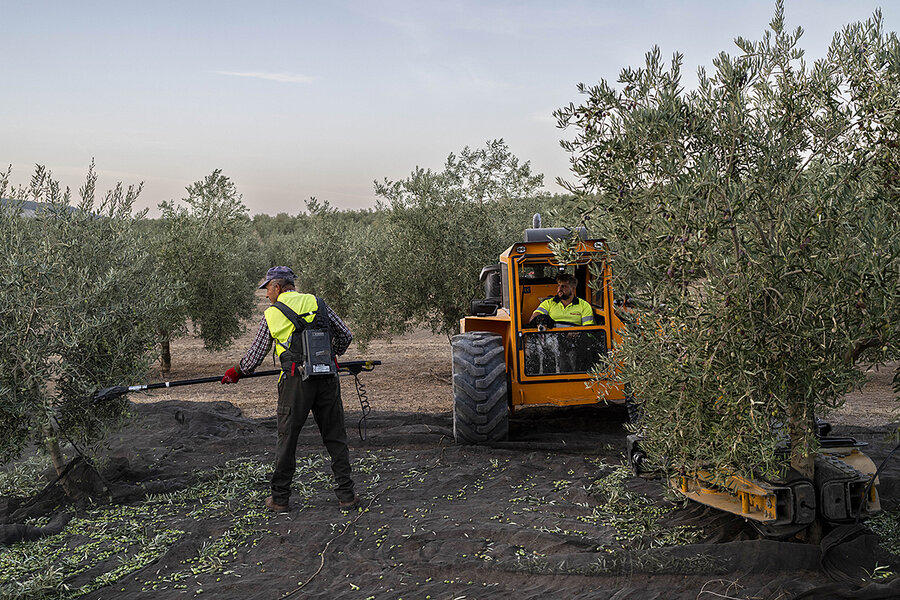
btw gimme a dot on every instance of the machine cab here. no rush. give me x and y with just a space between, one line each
549 365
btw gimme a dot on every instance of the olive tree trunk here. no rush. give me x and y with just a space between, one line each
802 456
165 355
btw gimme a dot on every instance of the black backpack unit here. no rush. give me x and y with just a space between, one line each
308 351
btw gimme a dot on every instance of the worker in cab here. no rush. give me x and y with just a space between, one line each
565 308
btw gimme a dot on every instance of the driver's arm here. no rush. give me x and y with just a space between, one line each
587 312
540 310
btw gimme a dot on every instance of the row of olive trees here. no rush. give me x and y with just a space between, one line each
94 292
88 287
415 260
758 215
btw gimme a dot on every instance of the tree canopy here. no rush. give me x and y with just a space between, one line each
757 217
415 260
206 250
440 229
75 313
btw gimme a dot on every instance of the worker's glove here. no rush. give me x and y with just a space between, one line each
231 376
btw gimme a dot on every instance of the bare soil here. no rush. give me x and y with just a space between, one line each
414 375
874 404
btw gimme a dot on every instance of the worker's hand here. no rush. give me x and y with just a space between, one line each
231 376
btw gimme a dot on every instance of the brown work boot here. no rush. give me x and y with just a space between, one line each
275 507
348 505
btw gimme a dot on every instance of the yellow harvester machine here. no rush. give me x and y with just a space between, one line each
500 363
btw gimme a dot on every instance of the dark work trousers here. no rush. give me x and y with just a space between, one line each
296 399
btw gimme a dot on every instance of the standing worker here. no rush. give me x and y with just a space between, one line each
300 392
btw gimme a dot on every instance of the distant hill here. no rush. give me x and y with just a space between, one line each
29 207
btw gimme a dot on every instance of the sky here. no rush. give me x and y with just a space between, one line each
299 99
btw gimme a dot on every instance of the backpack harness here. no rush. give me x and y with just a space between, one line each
308 349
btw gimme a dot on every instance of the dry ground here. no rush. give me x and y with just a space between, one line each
872 405
415 376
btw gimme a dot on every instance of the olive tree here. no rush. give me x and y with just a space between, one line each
757 218
207 252
326 248
437 230
75 312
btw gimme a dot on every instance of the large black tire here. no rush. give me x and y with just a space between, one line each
480 390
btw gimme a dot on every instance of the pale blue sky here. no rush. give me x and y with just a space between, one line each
299 99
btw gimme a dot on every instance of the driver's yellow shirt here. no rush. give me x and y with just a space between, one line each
579 312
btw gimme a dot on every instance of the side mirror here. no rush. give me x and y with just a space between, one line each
483 308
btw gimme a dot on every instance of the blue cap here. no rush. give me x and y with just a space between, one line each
278 273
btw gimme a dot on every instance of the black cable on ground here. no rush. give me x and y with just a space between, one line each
361 512
364 405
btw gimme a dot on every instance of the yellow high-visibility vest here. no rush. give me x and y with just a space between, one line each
579 312
280 326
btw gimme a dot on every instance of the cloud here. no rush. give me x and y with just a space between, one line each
544 117
282 77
